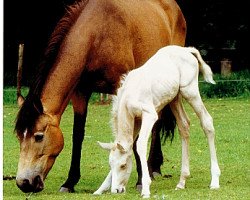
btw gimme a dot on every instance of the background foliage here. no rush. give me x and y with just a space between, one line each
218 28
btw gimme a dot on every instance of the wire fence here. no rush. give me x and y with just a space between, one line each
227 81
223 88
12 88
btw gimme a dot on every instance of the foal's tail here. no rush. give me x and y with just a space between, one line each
204 68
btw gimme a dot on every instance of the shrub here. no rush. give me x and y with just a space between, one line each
235 85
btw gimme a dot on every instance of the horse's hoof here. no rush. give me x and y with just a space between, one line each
155 174
139 187
67 190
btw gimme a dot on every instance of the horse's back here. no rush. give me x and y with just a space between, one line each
124 36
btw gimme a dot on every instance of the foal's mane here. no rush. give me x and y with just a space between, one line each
32 107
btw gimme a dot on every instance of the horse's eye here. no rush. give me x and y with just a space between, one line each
123 166
38 137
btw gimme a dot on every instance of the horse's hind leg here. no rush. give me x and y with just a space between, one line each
138 166
183 124
163 128
206 121
80 103
155 158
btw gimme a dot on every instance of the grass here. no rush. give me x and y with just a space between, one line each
232 125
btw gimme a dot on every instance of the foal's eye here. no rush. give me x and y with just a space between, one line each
123 166
38 137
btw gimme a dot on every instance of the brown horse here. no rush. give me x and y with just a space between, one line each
91 47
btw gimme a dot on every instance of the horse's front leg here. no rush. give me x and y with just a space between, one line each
148 120
80 104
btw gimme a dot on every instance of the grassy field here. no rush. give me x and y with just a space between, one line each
232 124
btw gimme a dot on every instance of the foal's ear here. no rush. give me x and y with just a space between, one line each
121 148
107 146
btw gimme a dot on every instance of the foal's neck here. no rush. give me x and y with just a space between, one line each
125 128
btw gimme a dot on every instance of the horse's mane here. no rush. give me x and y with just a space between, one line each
32 107
55 41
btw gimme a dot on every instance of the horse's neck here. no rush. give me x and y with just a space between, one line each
65 74
58 88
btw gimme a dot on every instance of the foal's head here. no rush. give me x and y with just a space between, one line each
40 140
120 161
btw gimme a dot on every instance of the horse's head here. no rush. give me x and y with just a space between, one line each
120 160
41 141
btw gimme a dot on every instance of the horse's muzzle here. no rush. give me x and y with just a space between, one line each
26 186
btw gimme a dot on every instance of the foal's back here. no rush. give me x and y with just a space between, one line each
159 80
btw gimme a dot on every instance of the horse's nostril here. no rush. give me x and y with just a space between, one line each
25 185
30 186
38 184
122 190
117 191
26 182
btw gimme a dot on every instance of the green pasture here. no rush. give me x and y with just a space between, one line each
232 124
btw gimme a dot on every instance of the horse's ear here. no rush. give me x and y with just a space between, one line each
107 146
37 105
20 100
121 148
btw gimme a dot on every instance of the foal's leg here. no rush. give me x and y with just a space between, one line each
80 104
183 126
105 185
148 120
155 158
208 127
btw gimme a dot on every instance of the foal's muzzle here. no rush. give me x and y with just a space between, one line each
36 185
119 190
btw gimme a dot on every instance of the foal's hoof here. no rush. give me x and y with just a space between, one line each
214 187
97 193
146 196
180 186
67 190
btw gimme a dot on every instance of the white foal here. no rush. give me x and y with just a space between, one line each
172 73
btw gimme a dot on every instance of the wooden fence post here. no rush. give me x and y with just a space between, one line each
20 98
226 67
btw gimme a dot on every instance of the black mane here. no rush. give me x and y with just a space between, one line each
31 109
32 106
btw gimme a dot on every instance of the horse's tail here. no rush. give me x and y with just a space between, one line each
204 68
165 124
20 98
